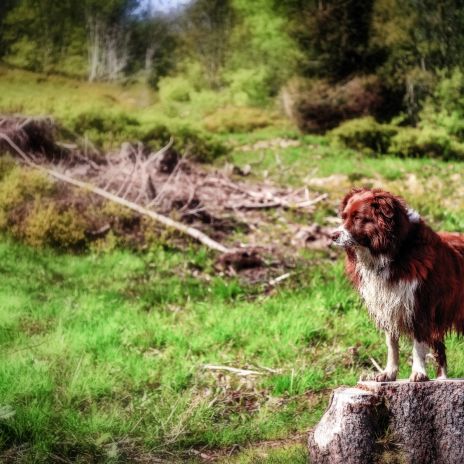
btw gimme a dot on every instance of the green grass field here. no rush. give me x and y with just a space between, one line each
103 355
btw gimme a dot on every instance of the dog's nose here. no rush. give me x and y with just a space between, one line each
335 235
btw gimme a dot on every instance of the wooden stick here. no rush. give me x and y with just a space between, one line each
280 278
192 232
234 370
376 364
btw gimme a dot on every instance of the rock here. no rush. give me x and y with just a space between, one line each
410 422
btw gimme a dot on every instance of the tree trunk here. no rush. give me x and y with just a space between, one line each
94 47
394 422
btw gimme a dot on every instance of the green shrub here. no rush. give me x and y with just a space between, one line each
175 89
249 86
445 107
365 134
110 129
105 128
196 145
21 184
46 225
421 142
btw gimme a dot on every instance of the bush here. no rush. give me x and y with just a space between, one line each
105 128
369 136
445 108
175 89
365 134
196 145
249 86
318 106
19 185
36 210
111 129
234 119
427 141
46 225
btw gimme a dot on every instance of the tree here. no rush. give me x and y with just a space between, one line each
38 32
334 34
153 45
205 30
263 54
108 36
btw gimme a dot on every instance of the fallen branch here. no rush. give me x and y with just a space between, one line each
192 232
279 279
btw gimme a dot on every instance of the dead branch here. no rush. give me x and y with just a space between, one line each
280 278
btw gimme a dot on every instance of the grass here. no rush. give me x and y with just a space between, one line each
103 355
68 100
100 351
433 187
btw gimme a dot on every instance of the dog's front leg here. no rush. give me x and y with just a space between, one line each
393 356
419 351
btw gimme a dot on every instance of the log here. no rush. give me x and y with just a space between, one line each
392 422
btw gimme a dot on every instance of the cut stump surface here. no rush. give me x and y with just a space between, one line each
410 422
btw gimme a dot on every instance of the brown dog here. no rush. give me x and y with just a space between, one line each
410 277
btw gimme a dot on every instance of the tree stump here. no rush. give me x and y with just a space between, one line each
394 422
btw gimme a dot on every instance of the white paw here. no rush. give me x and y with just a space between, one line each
418 377
385 376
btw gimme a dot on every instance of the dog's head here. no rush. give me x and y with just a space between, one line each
373 219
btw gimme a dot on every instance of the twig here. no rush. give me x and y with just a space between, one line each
376 364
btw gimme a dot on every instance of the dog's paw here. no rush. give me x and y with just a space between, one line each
385 376
418 377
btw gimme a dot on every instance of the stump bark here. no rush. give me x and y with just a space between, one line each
394 422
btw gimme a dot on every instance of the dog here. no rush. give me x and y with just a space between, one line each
410 278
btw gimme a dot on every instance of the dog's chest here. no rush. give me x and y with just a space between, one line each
390 304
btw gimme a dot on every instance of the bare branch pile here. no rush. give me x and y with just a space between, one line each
156 184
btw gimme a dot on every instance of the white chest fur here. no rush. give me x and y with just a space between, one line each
391 305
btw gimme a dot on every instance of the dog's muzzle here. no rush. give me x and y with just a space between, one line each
342 237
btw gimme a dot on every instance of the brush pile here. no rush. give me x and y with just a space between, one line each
163 182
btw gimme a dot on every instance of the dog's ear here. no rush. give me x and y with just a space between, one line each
385 206
347 197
